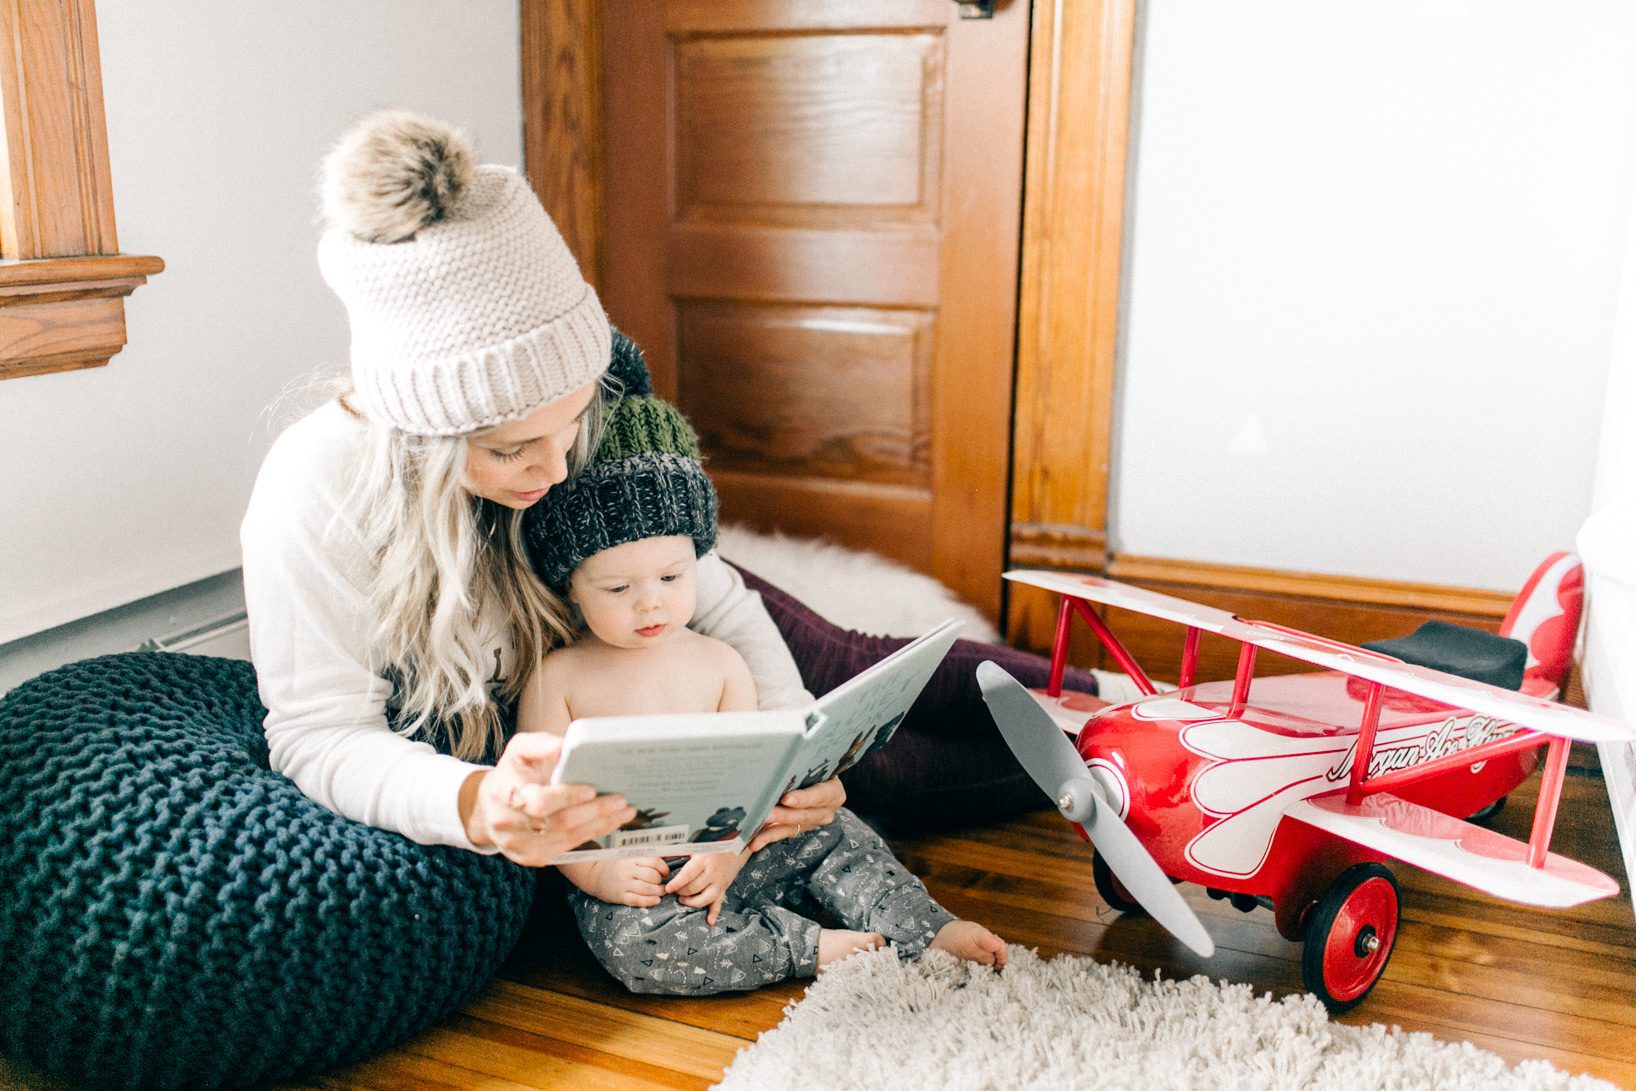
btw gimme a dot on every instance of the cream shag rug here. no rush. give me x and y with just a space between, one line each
1070 1022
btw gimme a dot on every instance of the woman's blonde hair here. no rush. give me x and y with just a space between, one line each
447 562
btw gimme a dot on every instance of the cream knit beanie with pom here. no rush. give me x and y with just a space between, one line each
466 308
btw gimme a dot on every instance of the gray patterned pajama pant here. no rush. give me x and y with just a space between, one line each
765 933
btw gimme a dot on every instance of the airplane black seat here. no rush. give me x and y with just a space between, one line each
1457 649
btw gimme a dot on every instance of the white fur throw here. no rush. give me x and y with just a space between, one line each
854 590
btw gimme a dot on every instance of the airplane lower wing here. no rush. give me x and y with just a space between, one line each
1468 854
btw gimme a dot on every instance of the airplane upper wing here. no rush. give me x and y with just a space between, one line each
1463 852
1125 596
1449 689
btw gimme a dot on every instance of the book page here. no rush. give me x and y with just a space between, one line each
699 782
861 715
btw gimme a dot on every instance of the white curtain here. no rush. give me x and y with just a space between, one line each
1607 545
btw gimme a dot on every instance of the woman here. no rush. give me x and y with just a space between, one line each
389 597
389 592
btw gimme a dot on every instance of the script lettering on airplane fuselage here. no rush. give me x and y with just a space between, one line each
1453 735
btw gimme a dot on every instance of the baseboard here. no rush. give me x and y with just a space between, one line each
205 617
1312 586
228 637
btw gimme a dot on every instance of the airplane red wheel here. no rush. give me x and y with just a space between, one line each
1112 890
1350 935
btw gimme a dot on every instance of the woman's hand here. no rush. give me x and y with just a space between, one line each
799 811
703 881
515 807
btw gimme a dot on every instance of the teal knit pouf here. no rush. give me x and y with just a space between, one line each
175 914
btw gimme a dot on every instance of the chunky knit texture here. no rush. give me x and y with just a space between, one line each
478 318
629 366
644 481
174 914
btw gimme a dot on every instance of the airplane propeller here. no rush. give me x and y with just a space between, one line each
1048 757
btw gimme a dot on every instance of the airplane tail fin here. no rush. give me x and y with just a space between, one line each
1545 616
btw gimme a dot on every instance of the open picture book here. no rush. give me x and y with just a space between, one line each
705 782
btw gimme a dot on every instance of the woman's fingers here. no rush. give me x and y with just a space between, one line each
826 795
800 816
532 823
770 833
807 807
533 754
585 821
538 800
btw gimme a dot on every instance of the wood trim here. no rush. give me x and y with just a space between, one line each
688 16
562 121
1035 545
1072 252
984 139
63 314
59 194
641 96
18 277
62 278
1311 585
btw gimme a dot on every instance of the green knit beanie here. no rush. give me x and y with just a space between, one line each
644 481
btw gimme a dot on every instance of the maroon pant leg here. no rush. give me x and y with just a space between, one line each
947 764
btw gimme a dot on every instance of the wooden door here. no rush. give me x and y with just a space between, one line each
812 227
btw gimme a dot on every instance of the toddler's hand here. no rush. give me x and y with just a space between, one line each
637 882
703 881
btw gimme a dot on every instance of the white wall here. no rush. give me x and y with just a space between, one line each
124 481
1374 253
1375 250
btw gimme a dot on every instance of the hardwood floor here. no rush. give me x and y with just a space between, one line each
1556 985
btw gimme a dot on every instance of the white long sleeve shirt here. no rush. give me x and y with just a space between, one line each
306 576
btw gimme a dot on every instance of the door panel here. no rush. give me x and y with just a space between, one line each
869 421
812 228
823 128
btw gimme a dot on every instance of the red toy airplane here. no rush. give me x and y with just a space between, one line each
1263 799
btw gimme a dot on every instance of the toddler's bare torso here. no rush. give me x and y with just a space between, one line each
685 673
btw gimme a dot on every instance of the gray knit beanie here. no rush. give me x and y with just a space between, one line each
466 308
644 481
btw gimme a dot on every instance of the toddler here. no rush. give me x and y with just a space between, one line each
621 541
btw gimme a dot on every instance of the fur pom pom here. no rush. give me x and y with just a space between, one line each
394 174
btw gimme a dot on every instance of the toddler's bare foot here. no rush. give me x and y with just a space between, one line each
972 942
835 944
